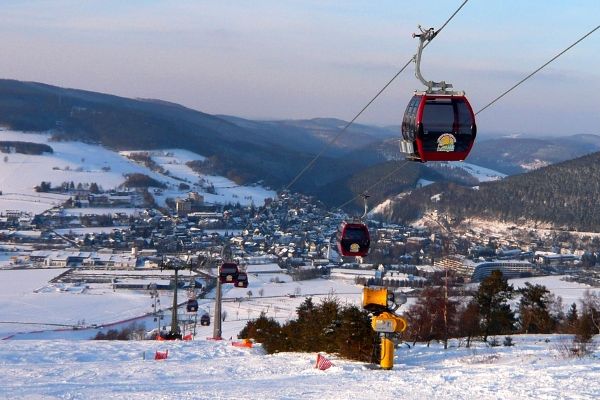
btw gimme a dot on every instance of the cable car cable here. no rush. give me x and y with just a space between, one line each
315 158
394 171
539 69
449 19
311 162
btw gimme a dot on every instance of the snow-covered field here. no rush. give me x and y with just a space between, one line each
173 161
85 163
28 302
30 305
71 161
481 173
535 368
570 292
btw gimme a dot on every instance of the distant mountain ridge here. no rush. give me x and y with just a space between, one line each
314 134
242 150
515 155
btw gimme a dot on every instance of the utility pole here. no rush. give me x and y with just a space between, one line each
217 316
174 264
445 255
158 313
445 246
174 322
217 332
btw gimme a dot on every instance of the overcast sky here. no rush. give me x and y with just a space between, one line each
277 59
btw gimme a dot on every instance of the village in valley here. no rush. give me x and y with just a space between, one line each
119 240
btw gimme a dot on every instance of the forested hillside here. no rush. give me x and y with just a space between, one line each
564 195
379 181
274 152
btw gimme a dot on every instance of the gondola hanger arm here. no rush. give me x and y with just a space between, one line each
425 37
365 196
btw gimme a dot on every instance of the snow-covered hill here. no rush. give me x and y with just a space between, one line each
83 163
50 364
537 367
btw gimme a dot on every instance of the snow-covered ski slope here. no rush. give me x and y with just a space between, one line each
535 368
83 163
48 366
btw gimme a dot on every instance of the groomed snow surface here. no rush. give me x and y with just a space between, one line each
535 368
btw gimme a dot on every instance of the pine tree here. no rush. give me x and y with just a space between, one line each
572 318
492 299
355 338
534 315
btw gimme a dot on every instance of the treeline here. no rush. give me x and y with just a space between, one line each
25 148
66 187
454 174
137 180
437 317
399 177
132 331
563 195
328 326
145 159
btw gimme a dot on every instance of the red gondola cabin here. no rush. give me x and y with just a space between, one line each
438 127
205 320
353 239
242 280
192 306
228 272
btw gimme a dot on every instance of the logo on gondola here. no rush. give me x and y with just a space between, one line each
354 247
446 142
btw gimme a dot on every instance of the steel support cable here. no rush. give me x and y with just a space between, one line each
539 69
336 137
